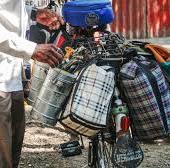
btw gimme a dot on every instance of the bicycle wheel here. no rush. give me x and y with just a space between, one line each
100 153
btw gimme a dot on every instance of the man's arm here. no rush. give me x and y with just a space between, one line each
15 46
11 44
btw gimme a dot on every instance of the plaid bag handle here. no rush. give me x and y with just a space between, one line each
151 62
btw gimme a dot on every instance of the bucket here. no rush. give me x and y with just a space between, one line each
39 74
53 95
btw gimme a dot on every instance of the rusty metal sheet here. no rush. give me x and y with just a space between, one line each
130 18
158 18
142 18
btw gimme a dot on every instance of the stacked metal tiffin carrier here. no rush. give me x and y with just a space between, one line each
53 85
39 73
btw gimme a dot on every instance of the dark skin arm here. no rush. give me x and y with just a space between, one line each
48 53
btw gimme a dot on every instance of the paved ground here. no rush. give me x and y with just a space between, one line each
40 149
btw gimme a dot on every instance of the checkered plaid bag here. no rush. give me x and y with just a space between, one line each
88 107
148 98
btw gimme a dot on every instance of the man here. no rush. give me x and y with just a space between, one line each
13 49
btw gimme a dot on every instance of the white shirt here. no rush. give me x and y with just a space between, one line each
13 47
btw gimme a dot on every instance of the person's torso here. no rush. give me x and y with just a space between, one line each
13 18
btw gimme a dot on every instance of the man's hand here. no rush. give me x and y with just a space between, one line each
49 18
48 53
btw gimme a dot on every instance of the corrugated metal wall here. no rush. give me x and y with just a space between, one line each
130 18
158 18
142 18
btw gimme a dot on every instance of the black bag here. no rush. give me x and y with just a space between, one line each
70 148
39 34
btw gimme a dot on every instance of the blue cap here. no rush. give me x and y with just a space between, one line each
84 13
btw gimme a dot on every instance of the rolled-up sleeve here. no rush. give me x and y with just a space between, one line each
16 46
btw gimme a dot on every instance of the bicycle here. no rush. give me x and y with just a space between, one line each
104 147
108 49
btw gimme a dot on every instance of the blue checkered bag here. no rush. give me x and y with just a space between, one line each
89 104
148 98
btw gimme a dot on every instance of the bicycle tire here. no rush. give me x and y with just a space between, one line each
101 153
